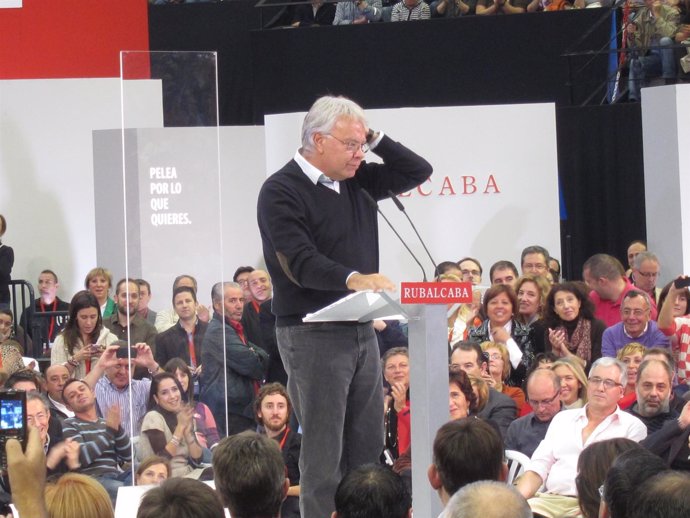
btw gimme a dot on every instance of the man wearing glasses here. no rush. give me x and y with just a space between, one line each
535 260
645 272
636 326
554 462
605 276
543 394
320 242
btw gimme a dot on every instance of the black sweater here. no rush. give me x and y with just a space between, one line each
313 237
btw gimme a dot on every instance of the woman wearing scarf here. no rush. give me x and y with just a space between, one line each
572 330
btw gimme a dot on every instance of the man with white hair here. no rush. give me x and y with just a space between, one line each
488 499
554 462
320 242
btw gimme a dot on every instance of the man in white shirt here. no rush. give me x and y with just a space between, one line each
554 463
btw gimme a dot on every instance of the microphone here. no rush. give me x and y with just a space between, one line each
400 206
371 200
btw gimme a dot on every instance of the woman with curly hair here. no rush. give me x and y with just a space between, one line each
572 331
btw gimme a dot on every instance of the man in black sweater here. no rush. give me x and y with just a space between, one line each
320 241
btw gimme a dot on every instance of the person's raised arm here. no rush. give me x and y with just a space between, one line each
666 322
27 472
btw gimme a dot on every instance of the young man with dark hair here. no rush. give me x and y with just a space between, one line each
372 490
144 298
272 408
249 474
126 323
42 329
465 451
503 272
103 443
184 339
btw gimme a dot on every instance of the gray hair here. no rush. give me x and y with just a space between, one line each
633 294
607 361
489 499
35 395
218 290
644 256
323 115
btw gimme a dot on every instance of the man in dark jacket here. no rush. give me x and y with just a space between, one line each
243 363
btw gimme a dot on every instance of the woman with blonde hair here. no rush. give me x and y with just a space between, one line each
99 281
531 291
77 496
573 382
632 355
461 316
499 371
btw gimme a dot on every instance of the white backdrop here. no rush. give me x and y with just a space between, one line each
494 189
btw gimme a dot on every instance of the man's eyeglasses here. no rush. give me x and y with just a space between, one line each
595 381
351 146
544 402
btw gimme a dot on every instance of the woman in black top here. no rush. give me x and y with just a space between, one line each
6 263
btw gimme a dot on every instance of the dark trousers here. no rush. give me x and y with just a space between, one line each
335 383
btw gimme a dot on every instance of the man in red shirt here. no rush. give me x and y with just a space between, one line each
606 278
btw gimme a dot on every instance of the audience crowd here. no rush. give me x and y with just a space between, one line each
654 32
575 381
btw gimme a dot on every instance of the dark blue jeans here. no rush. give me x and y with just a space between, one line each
335 383
657 62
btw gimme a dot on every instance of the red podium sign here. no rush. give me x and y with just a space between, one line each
435 292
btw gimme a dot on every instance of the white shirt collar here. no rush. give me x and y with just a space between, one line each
313 173
642 333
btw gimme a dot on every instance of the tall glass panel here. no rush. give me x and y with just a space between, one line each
161 222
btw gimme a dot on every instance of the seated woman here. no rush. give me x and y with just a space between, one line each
83 338
11 351
500 305
206 429
461 316
499 369
99 281
571 329
168 428
152 471
592 466
19 340
462 403
396 372
631 355
532 291
573 383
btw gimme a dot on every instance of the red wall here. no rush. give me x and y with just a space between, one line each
70 38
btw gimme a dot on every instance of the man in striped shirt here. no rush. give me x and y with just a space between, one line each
103 444
111 381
